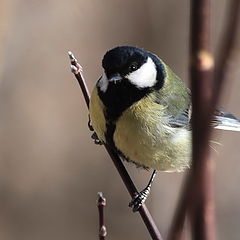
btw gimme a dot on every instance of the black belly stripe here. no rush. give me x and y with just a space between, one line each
110 126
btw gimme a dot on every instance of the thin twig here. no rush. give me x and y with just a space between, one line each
76 69
226 50
228 45
177 225
146 216
197 194
101 203
208 88
202 82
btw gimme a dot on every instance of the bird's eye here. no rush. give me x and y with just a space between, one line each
133 66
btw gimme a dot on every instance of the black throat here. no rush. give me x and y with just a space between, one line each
119 96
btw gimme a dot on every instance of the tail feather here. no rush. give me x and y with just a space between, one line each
227 123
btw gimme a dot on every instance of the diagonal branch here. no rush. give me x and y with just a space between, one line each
146 216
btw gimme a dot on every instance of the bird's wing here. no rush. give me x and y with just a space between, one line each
182 120
175 97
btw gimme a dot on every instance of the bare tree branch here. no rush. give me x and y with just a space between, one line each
200 37
146 216
228 45
202 82
197 194
101 203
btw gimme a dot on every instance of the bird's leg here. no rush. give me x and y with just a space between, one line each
141 197
90 127
94 135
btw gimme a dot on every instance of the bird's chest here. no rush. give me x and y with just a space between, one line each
144 137
139 132
138 129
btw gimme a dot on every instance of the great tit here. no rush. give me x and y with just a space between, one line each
143 110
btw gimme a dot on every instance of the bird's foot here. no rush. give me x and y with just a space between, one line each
90 127
96 139
94 135
139 199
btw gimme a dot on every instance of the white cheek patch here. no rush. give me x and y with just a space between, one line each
145 76
103 83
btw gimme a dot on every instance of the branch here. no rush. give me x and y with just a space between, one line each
206 92
101 203
197 195
176 228
202 85
228 45
146 216
76 69
227 49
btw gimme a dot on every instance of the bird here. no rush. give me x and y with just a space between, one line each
142 109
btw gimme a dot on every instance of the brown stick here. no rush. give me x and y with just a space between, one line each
146 216
176 228
76 69
228 45
226 50
201 73
101 203
202 83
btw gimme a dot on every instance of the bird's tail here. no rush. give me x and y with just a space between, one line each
226 121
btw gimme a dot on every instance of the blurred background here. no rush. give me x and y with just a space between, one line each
50 169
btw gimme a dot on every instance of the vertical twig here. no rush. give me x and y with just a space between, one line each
202 83
228 45
101 203
146 216
197 194
226 50
177 225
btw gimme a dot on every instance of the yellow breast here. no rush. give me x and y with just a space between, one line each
143 136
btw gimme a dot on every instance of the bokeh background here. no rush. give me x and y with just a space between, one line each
50 170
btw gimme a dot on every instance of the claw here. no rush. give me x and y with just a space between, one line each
96 140
90 125
139 199
94 135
